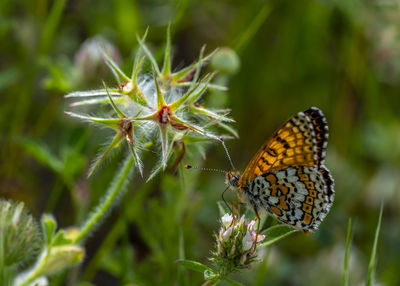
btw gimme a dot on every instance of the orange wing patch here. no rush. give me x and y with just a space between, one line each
301 141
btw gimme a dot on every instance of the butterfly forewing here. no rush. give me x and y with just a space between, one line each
320 127
297 143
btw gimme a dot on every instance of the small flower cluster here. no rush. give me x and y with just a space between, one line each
162 107
236 244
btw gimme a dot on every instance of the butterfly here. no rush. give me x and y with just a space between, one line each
287 176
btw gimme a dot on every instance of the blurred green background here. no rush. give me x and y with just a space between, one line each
341 56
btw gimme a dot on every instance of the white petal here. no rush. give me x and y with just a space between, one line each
226 220
227 234
247 242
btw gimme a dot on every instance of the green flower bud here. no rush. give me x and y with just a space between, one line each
20 236
60 257
226 61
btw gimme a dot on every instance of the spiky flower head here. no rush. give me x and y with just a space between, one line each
236 244
20 236
161 106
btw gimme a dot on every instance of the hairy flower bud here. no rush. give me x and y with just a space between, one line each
20 236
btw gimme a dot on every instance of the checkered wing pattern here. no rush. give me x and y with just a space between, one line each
299 196
301 141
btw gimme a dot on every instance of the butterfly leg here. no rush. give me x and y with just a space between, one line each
258 223
258 219
235 211
238 209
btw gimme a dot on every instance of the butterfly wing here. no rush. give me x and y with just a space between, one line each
301 141
300 196
320 127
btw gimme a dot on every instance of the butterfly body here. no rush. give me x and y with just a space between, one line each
287 177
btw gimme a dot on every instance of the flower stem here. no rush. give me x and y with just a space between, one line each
33 273
106 203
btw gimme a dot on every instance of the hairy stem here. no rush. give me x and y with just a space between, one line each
106 203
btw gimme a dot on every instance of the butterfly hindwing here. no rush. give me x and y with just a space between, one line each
298 196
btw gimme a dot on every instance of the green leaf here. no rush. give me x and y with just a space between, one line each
233 282
275 233
50 27
189 139
194 265
189 95
136 158
60 239
223 209
181 245
166 70
194 96
136 68
246 36
159 166
197 65
42 154
49 225
116 140
117 110
160 97
73 159
109 122
345 280
371 266
114 67
193 128
148 53
98 100
210 86
229 129
92 93
182 275
211 275
209 113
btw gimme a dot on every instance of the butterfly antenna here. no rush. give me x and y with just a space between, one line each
205 169
227 153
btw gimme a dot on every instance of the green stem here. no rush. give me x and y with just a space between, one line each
345 278
108 200
371 267
35 271
54 195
